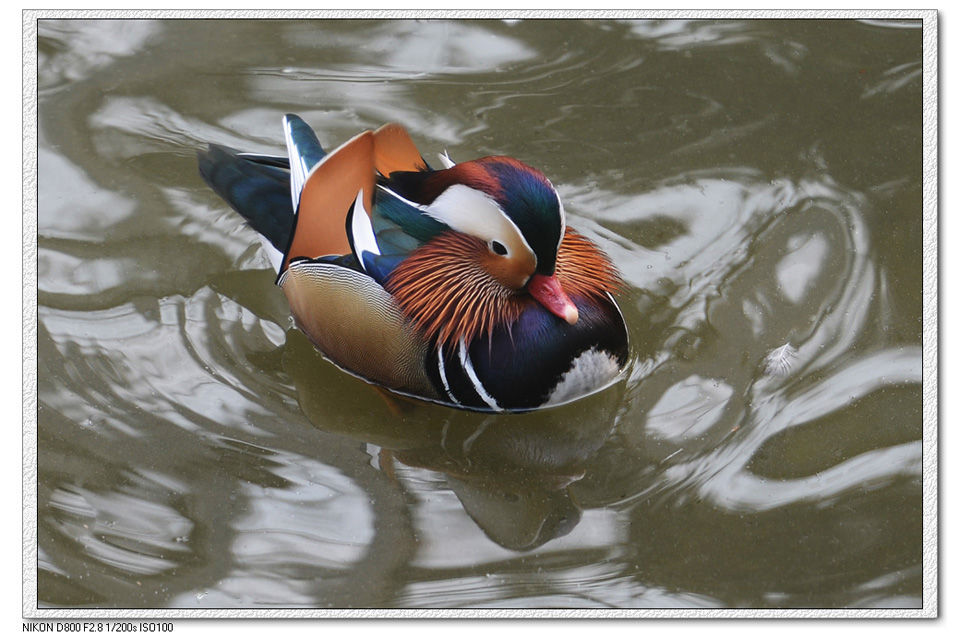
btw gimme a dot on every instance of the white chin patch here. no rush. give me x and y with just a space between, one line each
591 371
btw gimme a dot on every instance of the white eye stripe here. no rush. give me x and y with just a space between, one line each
475 213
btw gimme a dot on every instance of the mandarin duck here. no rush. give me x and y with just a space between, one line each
461 286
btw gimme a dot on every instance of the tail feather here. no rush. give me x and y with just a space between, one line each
256 187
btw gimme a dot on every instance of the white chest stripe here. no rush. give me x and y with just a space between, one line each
442 370
467 366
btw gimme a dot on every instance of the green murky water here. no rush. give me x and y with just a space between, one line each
759 185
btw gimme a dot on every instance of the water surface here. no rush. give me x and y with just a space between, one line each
759 185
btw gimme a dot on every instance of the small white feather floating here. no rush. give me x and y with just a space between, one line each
780 360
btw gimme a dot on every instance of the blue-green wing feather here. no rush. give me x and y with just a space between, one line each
399 228
398 213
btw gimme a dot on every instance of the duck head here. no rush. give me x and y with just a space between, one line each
506 225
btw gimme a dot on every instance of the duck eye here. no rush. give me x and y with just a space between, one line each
498 248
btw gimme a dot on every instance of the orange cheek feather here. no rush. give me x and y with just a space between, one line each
452 287
583 269
513 272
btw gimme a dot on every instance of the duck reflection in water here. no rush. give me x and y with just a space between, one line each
511 473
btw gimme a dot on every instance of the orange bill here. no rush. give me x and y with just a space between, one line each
548 291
